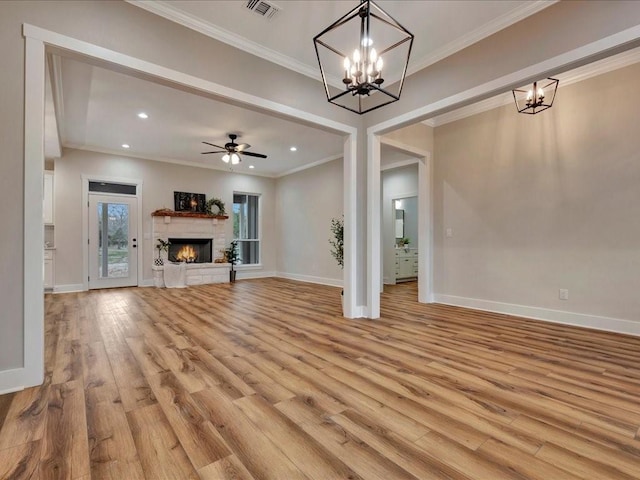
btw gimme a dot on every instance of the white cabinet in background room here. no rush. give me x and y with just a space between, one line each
48 198
49 269
406 263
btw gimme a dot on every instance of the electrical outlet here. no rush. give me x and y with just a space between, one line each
448 232
563 294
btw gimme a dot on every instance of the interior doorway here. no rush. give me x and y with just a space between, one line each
113 241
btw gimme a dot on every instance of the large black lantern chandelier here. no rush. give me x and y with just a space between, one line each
537 98
363 58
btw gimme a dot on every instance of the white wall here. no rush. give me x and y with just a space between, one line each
396 183
543 202
305 204
160 181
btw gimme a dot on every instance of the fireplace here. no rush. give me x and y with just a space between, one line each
190 250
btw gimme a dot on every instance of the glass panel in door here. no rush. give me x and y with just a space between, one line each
112 242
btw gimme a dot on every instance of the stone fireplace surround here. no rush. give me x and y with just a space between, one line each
170 224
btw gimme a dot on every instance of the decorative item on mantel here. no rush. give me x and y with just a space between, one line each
165 212
215 202
162 245
189 202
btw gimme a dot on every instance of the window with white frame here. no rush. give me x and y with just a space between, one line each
246 216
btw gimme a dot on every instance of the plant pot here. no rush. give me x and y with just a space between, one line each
232 276
158 262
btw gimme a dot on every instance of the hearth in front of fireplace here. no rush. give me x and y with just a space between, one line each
190 250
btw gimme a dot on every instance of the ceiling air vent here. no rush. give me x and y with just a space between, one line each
262 8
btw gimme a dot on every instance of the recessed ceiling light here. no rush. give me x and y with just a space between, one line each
143 115
293 149
126 145
251 166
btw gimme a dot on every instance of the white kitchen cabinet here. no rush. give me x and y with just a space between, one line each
49 269
48 198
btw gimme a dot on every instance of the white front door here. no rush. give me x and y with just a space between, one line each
113 241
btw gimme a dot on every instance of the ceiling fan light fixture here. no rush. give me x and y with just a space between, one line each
226 157
235 159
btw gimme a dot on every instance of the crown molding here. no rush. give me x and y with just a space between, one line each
600 67
169 12
120 153
309 165
474 36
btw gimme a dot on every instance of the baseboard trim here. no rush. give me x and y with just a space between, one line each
247 274
545 314
12 380
332 282
73 287
361 311
147 283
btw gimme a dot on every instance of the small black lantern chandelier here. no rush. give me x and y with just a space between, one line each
354 80
537 98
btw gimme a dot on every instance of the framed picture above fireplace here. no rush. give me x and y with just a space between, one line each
189 202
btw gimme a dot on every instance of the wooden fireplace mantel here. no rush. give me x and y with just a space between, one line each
165 212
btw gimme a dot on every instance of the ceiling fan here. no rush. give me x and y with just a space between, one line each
232 150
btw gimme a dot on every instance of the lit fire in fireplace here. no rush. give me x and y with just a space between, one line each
186 254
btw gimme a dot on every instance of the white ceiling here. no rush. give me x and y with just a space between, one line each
101 113
97 108
441 27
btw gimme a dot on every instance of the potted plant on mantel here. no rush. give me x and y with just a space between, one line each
231 254
162 245
337 245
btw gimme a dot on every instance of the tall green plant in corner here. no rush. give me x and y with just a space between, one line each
337 246
232 256
337 242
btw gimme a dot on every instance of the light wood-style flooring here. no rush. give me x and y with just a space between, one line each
264 379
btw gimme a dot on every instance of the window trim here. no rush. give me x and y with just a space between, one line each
258 265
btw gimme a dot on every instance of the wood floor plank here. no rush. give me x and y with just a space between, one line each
432 419
161 455
5 403
470 463
197 435
588 446
400 451
580 465
523 463
21 462
96 367
353 451
309 456
261 457
477 418
228 468
26 416
112 451
134 389
65 446
262 384
264 379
